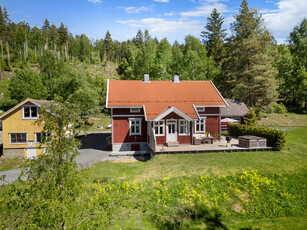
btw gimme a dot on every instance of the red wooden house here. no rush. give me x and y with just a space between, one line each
149 113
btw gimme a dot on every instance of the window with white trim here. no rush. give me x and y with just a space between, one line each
184 127
135 126
200 126
159 128
29 112
200 109
42 137
18 138
135 110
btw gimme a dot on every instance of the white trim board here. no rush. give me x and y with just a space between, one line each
19 105
145 112
124 107
219 93
107 93
130 115
196 111
170 110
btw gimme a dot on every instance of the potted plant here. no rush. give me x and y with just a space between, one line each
216 135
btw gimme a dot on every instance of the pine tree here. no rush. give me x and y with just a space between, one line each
7 33
248 69
2 32
298 48
214 36
109 47
63 39
139 39
54 37
46 29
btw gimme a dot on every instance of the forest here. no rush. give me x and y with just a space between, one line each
218 190
246 64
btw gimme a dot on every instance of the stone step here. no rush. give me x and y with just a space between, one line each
172 144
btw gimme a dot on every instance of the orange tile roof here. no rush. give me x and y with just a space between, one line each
159 95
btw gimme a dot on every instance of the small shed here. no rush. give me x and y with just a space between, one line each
235 111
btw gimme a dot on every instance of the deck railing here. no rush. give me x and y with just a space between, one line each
152 140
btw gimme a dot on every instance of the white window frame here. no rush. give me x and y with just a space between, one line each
130 127
135 110
41 137
158 125
204 125
185 125
19 143
200 109
23 112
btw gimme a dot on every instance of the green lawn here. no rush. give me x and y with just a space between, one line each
291 160
238 190
286 170
101 119
7 164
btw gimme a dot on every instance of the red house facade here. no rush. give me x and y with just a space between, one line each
147 113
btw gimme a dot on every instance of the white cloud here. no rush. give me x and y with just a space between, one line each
162 26
170 14
213 0
269 1
205 10
95 1
136 10
161 1
288 14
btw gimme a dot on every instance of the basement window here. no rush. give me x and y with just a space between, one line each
29 112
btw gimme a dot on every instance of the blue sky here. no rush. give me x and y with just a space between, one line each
173 19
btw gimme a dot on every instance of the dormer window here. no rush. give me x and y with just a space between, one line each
30 112
200 109
135 110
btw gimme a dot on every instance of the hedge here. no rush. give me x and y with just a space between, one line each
275 138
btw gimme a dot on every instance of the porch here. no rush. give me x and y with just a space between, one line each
217 146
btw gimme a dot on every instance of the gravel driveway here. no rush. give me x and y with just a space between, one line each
93 150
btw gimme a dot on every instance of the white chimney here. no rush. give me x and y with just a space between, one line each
176 78
146 78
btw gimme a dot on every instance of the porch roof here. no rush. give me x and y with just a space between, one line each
170 110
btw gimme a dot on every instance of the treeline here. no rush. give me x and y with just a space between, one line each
23 43
246 64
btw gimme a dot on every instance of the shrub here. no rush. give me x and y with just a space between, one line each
275 138
278 108
250 118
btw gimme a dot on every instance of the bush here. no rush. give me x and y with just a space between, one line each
278 108
250 118
275 138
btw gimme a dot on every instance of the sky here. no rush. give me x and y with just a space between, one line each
173 19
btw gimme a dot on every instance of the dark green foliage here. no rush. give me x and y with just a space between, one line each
247 68
27 84
275 138
250 118
214 36
278 108
298 48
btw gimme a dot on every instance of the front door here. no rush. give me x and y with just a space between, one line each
171 130
31 153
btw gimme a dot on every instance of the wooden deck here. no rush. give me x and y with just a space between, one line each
217 146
